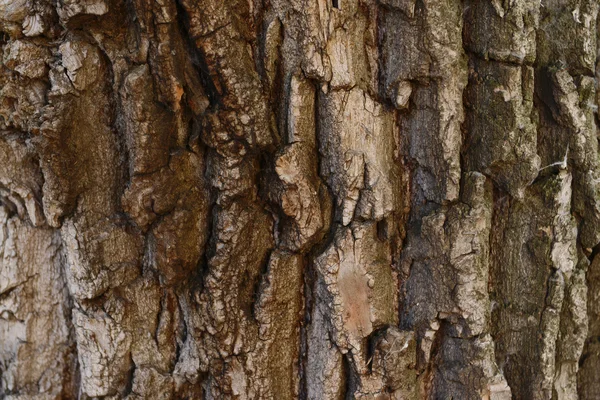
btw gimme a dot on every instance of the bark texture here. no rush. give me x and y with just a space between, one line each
313 199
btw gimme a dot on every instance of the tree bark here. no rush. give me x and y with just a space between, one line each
299 199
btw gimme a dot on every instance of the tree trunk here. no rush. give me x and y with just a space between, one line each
313 199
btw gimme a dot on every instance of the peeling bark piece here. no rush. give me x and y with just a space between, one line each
301 200
346 279
40 22
150 128
588 377
228 329
98 242
21 179
96 247
347 53
296 186
574 112
502 137
27 59
278 311
446 264
394 360
403 92
341 57
33 25
99 256
502 32
12 13
104 353
453 239
301 124
431 58
22 102
139 309
325 375
534 242
69 8
152 385
468 230
81 61
37 354
273 34
573 332
336 47
308 24
355 295
357 143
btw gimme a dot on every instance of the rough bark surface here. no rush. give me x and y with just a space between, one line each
313 199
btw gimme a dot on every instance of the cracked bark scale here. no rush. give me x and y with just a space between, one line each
299 199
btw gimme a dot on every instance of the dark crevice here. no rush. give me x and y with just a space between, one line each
181 332
431 366
309 280
594 252
350 383
129 381
544 93
4 38
373 339
197 58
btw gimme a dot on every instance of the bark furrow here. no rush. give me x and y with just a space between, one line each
313 199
